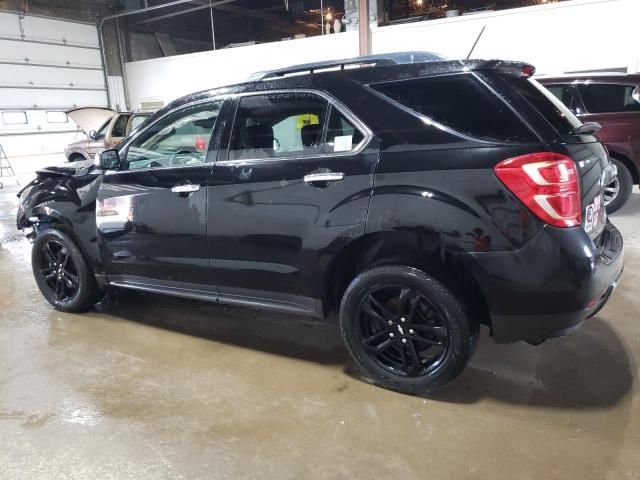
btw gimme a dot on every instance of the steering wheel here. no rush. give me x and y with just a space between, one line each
153 164
178 152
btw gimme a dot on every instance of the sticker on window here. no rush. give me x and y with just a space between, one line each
343 143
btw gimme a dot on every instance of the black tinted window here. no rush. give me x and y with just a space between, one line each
462 103
277 125
605 98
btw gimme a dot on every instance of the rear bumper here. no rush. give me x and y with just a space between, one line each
547 288
537 328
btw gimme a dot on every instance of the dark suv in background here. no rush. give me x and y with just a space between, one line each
415 201
613 101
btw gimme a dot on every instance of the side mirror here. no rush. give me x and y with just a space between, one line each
107 160
93 135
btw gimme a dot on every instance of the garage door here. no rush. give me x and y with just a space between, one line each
47 66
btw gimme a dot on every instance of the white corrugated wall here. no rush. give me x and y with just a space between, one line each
47 66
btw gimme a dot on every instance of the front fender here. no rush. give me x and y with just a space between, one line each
69 203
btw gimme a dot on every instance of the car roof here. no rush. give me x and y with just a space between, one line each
368 69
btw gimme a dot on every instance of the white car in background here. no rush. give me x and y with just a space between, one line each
104 129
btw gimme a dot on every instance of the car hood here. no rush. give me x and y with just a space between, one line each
69 169
79 144
90 118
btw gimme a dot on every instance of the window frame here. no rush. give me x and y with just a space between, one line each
124 150
332 102
578 94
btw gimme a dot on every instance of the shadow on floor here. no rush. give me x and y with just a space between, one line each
288 335
588 369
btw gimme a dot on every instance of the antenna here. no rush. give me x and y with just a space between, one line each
476 42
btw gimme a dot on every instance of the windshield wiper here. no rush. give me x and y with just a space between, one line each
589 128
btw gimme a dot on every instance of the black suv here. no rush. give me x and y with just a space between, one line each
417 201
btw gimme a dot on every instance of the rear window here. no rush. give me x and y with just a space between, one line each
607 98
462 103
547 104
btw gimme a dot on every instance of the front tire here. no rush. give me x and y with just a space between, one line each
617 192
405 329
62 274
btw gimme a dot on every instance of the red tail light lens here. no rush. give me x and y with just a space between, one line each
547 183
200 144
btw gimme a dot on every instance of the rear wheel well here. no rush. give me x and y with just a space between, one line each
76 157
392 249
629 164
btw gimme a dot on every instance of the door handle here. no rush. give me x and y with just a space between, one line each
186 188
323 177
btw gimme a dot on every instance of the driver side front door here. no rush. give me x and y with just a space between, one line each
151 213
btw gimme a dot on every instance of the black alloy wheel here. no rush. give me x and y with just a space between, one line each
59 270
402 331
63 275
405 329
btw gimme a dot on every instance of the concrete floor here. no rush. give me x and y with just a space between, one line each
155 387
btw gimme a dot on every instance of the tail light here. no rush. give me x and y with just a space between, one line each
200 144
547 183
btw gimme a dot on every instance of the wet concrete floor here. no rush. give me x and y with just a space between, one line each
156 387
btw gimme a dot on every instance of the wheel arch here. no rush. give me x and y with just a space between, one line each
403 248
42 220
627 162
77 153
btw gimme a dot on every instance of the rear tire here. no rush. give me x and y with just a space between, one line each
62 273
618 192
405 329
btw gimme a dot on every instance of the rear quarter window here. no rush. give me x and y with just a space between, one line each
462 103
541 100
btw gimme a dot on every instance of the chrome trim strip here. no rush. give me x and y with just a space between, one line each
186 188
323 177
366 131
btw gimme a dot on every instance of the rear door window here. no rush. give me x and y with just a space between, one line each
278 125
608 98
342 135
462 103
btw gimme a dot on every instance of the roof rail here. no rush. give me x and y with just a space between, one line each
349 63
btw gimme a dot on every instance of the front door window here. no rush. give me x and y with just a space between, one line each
180 139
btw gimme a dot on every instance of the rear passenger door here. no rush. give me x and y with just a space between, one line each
291 188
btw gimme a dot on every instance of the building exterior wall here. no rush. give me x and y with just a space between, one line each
578 35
